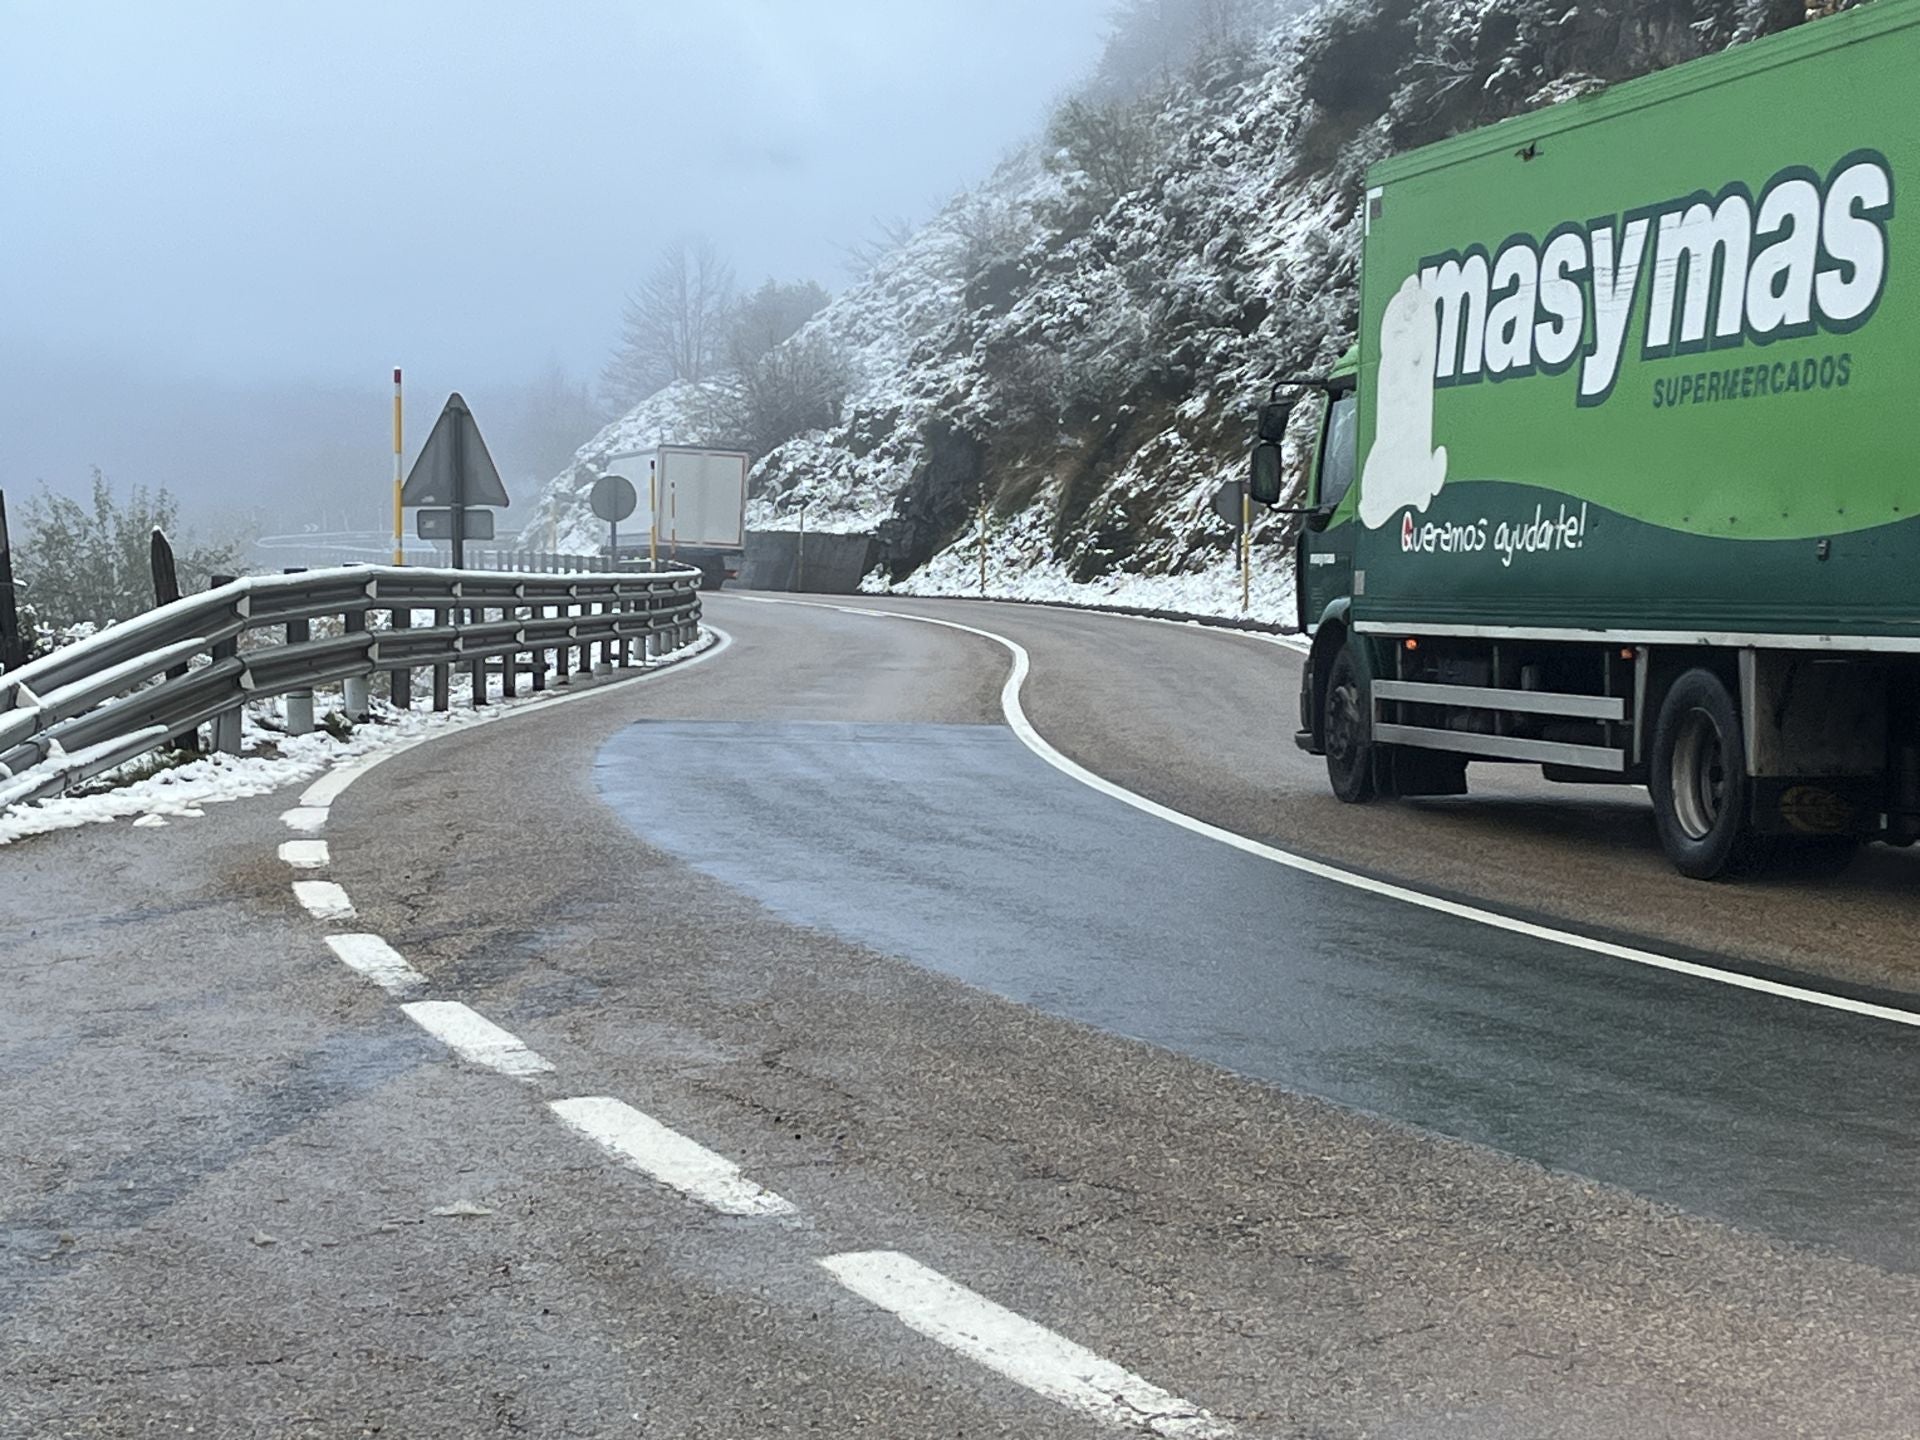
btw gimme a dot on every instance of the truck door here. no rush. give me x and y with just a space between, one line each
1326 546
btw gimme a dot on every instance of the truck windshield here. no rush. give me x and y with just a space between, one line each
1340 453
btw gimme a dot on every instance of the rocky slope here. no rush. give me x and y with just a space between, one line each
1082 359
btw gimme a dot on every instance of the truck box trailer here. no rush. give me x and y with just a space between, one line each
1619 478
692 507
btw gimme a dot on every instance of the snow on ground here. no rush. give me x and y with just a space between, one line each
270 759
1019 569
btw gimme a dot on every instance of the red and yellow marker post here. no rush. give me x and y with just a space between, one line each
399 533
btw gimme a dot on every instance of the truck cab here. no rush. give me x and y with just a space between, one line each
1324 550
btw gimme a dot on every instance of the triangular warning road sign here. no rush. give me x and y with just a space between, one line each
453 467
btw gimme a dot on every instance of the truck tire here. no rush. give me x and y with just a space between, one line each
1349 744
1698 777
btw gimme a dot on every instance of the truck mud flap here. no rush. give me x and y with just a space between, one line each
1407 772
1827 805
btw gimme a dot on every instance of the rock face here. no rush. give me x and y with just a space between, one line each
1082 354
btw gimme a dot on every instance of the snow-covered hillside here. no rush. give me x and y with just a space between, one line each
1086 362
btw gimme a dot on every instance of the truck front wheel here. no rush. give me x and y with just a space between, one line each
1698 776
1349 741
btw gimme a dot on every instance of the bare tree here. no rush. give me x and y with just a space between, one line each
1150 41
768 316
1113 144
792 388
884 237
674 326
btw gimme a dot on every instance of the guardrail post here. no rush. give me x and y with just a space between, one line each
226 725
400 678
443 674
299 702
538 653
510 664
603 649
356 690
478 616
562 648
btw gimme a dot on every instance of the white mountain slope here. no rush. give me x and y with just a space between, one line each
1088 362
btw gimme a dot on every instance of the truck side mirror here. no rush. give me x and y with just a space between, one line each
1273 420
1264 481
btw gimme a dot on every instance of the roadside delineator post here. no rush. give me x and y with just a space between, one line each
166 590
1246 549
983 539
13 645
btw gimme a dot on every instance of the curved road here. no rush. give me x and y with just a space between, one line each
774 903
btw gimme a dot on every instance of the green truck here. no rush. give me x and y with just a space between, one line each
1619 479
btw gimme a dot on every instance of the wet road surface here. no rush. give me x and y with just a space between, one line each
956 847
242 1194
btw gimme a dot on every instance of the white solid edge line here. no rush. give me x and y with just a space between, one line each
668 1156
1034 741
305 854
378 961
476 1039
324 899
1012 1345
1298 643
329 787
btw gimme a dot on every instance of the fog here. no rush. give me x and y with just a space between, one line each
226 223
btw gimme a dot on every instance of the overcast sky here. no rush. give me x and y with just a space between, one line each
259 195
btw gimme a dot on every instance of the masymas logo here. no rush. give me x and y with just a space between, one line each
1705 272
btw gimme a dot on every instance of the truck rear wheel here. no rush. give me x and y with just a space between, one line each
1349 741
1698 777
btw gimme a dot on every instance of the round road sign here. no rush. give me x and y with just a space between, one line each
614 498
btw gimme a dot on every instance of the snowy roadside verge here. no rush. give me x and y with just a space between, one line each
1020 567
270 759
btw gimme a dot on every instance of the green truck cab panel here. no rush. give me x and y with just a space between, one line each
1325 548
1645 362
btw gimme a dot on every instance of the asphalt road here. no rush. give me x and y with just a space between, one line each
226 1149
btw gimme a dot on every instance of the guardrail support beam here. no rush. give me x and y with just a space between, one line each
226 725
400 678
356 690
477 615
442 674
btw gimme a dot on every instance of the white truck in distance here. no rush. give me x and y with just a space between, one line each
692 507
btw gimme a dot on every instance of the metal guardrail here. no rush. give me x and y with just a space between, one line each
137 686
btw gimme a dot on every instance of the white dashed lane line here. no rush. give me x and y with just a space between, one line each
1026 1353
324 899
304 818
923 1299
378 961
668 1156
305 854
476 1039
